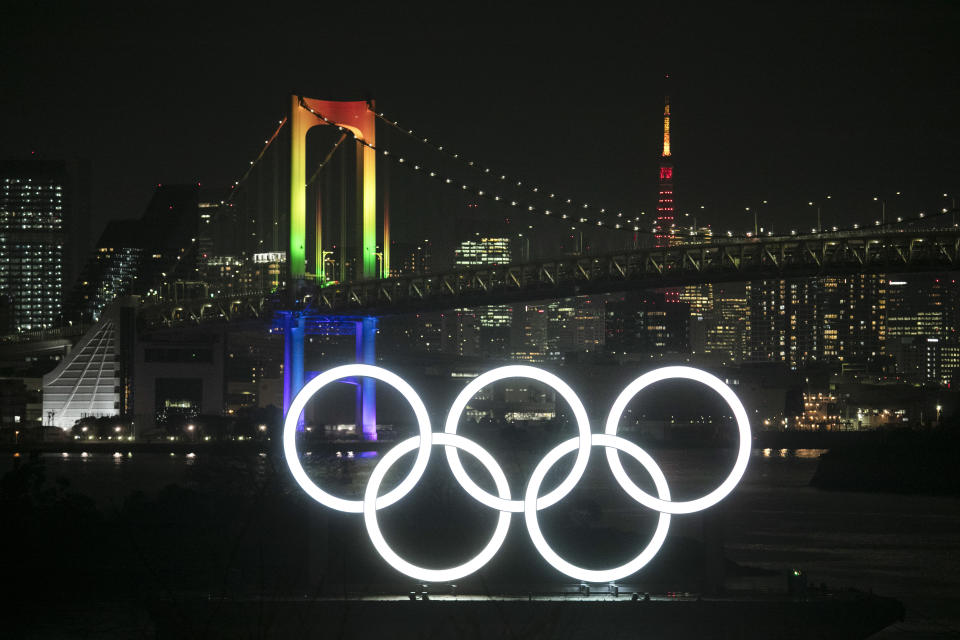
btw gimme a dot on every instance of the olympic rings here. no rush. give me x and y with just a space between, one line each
532 502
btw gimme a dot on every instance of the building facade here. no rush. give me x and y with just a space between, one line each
33 202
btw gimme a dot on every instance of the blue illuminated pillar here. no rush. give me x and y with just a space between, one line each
293 331
287 348
366 335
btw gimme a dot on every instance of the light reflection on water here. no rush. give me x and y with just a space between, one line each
791 453
112 476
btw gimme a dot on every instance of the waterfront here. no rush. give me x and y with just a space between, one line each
907 547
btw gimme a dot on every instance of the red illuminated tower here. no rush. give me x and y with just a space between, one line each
664 229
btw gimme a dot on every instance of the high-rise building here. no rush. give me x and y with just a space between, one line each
642 324
494 320
921 305
926 360
830 320
781 322
32 207
921 327
461 334
144 256
413 259
427 332
482 252
725 324
528 338
110 271
699 297
852 317
580 325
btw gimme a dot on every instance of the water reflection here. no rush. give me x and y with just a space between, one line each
805 454
809 453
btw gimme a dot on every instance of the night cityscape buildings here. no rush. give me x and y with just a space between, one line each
204 210
867 327
33 206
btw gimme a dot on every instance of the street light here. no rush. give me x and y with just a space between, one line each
818 205
756 211
525 247
883 209
379 256
953 206
324 255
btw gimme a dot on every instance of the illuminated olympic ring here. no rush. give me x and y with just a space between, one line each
502 502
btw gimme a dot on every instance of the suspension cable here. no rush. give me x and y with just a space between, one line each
256 161
586 206
488 171
479 192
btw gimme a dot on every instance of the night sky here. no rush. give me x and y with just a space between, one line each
780 101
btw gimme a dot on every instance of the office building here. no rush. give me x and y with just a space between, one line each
143 257
494 320
528 336
647 325
32 213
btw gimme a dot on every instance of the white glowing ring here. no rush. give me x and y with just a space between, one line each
322 380
739 466
583 430
371 504
593 575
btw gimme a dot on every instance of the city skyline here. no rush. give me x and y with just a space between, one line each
252 255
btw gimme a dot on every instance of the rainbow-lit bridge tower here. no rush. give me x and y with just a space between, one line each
356 117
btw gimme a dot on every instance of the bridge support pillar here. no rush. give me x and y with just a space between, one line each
293 332
366 389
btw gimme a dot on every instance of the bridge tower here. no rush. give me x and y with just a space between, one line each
359 118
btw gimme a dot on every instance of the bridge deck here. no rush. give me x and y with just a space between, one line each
725 260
